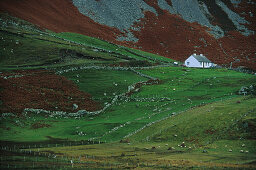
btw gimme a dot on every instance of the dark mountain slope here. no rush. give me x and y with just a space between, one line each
221 29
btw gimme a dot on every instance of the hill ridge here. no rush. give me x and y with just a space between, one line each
169 28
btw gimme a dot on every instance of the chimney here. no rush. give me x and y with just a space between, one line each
201 54
194 54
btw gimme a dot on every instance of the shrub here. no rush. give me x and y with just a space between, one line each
248 90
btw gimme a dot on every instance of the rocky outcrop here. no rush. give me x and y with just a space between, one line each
216 15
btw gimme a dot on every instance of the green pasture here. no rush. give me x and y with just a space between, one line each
193 88
101 44
25 46
103 85
230 146
21 49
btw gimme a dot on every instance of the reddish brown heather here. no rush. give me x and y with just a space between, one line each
39 125
42 90
245 9
58 16
171 36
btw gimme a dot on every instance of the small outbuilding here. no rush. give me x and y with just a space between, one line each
199 61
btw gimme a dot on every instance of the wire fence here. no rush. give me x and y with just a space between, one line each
28 159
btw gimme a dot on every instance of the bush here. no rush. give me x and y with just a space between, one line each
124 141
248 90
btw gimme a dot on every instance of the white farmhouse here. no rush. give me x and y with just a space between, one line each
199 61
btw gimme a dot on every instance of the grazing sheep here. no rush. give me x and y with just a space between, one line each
183 145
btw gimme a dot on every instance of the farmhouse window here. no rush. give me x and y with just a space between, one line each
187 63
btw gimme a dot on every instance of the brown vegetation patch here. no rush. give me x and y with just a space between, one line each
210 131
124 141
39 125
5 128
172 37
58 16
41 89
192 140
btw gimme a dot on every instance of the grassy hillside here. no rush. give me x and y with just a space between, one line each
179 90
215 139
25 45
103 85
94 42
224 120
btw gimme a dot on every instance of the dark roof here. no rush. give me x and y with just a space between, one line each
201 58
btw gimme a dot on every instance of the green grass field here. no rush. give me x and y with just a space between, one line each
179 90
230 146
103 85
26 46
97 43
